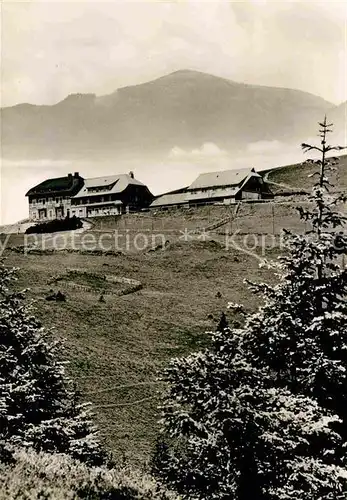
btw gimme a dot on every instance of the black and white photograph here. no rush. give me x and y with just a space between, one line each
173 250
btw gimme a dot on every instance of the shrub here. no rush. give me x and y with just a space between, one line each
52 226
34 476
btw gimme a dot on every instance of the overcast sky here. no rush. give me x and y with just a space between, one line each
52 49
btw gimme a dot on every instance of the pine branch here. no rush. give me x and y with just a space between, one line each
308 147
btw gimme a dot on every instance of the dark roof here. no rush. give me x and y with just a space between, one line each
70 184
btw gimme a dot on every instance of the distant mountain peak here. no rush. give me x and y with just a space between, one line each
188 74
184 109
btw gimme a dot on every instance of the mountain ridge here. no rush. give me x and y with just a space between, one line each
183 72
185 108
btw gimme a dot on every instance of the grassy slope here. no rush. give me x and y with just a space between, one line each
128 339
297 175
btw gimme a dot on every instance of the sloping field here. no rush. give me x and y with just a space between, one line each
138 233
250 218
268 218
297 176
116 347
171 220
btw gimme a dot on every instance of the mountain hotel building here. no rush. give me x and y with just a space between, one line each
72 195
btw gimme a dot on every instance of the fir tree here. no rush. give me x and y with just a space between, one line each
38 404
261 414
301 331
235 435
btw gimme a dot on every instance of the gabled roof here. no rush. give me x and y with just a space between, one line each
70 184
222 178
111 183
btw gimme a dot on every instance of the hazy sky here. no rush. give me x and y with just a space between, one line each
51 49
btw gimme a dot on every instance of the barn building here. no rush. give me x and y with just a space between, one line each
224 187
51 199
111 195
227 187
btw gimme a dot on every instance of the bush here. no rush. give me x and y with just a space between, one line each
58 477
67 224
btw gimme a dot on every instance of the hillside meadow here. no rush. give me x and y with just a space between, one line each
117 347
298 177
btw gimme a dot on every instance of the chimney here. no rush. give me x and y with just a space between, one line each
131 174
69 176
76 174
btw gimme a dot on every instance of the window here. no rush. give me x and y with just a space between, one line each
33 201
50 199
